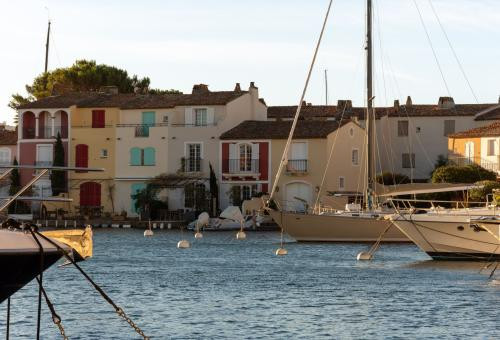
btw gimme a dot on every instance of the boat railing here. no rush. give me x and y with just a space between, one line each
438 206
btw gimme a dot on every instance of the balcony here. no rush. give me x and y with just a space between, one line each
195 125
192 165
296 166
242 166
141 130
29 133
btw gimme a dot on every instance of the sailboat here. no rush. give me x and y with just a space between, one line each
356 223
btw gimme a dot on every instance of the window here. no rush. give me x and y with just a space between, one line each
355 157
351 132
98 118
104 153
82 156
4 156
200 117
449 127
341 183
193 160
239 193
245 157
491 147
140 156
408 161
418 129
402 128
195 196
165 120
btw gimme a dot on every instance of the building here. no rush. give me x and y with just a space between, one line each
8 152
479 145
411 137
251 154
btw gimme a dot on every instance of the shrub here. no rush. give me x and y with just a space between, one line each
388 178
480 194
462 174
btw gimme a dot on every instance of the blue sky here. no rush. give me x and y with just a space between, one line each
270 42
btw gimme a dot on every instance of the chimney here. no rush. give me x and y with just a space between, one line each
252 85
498 99
200 89
408 102
112 89
396 105
344 103
446 103
237 88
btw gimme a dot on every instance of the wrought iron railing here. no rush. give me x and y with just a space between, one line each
236 166
484 163
296 165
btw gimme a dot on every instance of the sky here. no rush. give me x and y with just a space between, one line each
271 42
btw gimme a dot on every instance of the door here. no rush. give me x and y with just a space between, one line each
298 196
90 194
44 154
469 152
82 156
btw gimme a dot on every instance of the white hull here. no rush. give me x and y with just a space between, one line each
342 227
451 237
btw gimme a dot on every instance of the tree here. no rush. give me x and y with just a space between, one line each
214 188
442 160
15 185
83 75
462 174
57 177
487 189
147 202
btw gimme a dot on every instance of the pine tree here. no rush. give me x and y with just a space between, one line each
57 177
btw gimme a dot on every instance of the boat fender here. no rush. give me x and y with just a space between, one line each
281 252
240 235
364 256
183 244
198 235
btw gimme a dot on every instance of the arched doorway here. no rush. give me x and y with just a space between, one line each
298 196
29 125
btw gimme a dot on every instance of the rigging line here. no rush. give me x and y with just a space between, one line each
379 35
454 52
284 158
432 47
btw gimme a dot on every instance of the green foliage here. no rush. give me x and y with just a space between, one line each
160 91
480 194
58 178
83 75
15 179
462 174
442 160
388 178
235 195
147 202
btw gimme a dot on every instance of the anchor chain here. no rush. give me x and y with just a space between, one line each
124 316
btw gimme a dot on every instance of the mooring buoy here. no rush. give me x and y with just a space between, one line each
364 256
281 251
198 235
148 232
183 244
240 235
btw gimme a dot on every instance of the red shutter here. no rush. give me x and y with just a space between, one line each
82 156
225 158
90 194
98 118
263 160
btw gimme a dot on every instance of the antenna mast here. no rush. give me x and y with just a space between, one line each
47 49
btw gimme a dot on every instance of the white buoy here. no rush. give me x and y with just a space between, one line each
240 235
281 251
183 244
198 235
364 256
148 232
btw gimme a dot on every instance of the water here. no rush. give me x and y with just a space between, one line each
222 288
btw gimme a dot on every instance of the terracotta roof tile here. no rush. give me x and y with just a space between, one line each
483 131
491 113
132 100
261 129
8 137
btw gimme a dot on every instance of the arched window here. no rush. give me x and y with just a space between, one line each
245 157
29 125
82 156
90 194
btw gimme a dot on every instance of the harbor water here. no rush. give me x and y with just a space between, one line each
223 288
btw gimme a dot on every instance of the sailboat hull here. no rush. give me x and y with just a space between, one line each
451 237
20 260
336 228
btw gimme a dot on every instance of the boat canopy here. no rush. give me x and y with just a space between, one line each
421 188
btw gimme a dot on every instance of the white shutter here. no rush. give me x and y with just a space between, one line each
188 116
233 157
255 156
210 115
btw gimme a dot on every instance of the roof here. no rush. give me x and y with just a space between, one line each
331 111
492 130
490 113
8 137
132 100
261 129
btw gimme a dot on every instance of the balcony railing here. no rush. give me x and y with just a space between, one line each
43 163
463 161
238 166
29 133
296 165
63 130
192 165
194 125
141 130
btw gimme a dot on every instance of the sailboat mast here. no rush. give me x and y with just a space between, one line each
370 121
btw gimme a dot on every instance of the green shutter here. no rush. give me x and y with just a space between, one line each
148 119
135 188
135 156
149 156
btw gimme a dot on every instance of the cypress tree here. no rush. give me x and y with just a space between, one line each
58 177
15 185
214 188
